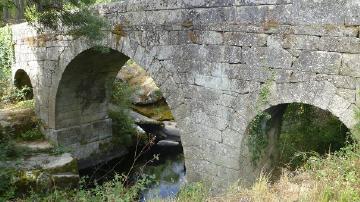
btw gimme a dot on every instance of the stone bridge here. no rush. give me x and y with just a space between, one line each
214 61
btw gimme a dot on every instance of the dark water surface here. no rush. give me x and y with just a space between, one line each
168 171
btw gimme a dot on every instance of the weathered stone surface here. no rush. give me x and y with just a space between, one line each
267 57
319 62
143 86
42 172
350 65
211 60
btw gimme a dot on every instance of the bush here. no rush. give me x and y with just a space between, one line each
6 59
195 192
7 188
31 135
308 131
114 190
8 151
13 94
123 125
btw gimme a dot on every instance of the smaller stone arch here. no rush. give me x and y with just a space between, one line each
22 81
271 123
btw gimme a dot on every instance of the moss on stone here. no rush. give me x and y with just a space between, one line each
159 111
71 167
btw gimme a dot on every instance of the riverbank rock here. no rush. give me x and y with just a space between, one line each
146 91
143 120
159 111
171 131
18 120
43 172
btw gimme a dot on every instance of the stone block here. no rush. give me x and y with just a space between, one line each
340 44
68 136
319 62
304 12
267 57
350 65
301 42
244 39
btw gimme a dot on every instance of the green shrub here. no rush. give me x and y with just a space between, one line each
7 188
8 151
31 135
258 139
6 59
310 131
123 125
114 190
195 192
13 94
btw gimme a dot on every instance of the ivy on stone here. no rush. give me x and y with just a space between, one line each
257 129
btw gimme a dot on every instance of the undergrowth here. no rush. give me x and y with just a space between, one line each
114 190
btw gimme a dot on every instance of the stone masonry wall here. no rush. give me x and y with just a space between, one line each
211 60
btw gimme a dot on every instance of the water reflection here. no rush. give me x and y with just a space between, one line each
171 178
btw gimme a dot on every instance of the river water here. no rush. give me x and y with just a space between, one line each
168 171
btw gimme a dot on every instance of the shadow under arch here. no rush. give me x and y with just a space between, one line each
85 87
82 120
298 124
22 81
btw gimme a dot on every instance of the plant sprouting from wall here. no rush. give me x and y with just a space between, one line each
257 130
258 139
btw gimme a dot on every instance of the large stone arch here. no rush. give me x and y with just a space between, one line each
124 45
71 119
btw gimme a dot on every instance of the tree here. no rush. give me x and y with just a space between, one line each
75 15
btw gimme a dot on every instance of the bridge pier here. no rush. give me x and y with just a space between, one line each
86 141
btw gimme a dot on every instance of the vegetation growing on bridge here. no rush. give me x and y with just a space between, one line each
257 136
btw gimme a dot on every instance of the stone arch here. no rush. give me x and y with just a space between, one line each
321 95
21 80
78 115
131 49
84 88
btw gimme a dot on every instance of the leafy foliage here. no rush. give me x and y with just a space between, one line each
33 134
257 136
114 190
7 190
6 59
339 174
195 192
123 125
72 17
311 130
258 139
8 151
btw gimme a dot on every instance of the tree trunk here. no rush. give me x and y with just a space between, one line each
5 14
20 9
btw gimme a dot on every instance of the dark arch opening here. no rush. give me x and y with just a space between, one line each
22 82
286 135
85 87
84 110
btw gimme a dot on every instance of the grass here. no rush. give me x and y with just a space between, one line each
333 177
